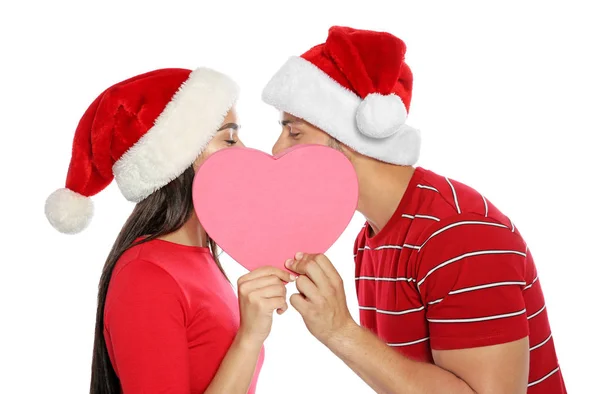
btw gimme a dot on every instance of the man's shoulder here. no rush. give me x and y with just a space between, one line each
443 204
438 203
453 198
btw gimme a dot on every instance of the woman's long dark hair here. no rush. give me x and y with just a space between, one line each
161 213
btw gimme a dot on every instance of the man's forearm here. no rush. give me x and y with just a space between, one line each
387 371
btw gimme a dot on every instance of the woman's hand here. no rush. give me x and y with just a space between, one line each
261 292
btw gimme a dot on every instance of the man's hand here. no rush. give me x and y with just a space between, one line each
323 307
321 302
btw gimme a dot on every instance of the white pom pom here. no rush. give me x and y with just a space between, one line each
380 116
69 212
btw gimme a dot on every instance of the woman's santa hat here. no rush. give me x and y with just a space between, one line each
357 88
143 132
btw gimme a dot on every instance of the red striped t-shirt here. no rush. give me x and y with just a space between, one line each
450 271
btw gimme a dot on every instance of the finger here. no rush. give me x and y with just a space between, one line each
297 264
251 285
273 291
275 303
299 303
307 288
306 265
266 271
327 267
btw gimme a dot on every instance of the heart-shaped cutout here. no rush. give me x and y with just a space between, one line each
262 209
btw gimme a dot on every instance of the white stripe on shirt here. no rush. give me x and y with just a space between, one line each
383 279
470 254
405 215
438 232
536 313
459 291
385 312
484 203
486 286
477 319
382 247
532 283
539 345
454 194
448 227
428 188
467 289
408 343
387 247
544 378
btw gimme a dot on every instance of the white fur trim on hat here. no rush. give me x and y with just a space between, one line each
303 90
179 135
69 212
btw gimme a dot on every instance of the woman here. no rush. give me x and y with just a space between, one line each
167 319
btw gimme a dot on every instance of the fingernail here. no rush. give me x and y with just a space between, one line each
299 255
288 263
293 277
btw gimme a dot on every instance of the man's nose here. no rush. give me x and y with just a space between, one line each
275 149
278 147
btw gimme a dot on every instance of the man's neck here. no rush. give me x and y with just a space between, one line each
382 187
190 234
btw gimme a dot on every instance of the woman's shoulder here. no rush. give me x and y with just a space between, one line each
140 276
141 290
137 284
171 257
157 265
141 271
162 267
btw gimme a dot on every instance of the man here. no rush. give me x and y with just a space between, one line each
448 291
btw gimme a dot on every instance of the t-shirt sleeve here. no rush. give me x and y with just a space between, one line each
145 328
471 274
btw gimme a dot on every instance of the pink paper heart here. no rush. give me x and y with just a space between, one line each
262 209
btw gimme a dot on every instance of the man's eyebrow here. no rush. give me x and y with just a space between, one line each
296 121
226 126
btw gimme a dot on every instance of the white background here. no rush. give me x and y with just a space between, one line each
506 97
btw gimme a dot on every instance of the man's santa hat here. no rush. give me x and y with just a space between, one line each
143 132
357 88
